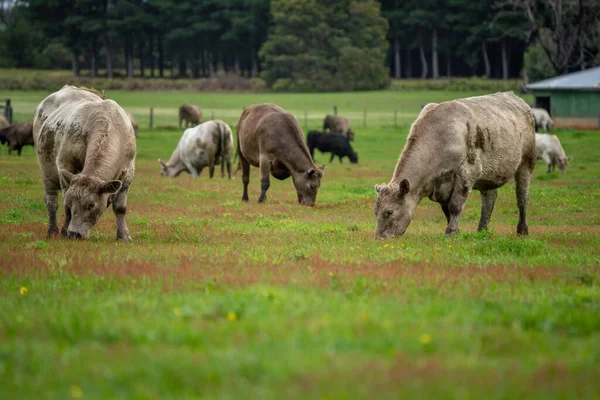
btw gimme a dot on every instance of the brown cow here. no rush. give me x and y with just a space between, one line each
339 124
271 139
17 136
190 114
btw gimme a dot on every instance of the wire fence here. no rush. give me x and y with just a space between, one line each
167 118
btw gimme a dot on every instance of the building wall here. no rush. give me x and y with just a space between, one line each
576 109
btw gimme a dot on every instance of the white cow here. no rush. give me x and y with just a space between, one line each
202 146
548 148
542 119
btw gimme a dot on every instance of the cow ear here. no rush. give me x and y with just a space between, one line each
569 159
162 163
404 187
110 187
322 167
379 188
311 172
66 176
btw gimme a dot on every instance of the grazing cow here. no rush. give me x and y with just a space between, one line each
204 145
86 147
549 149
134 124
17 136
271 139
453 147
334 143
542 119
190 114
3 122
338 124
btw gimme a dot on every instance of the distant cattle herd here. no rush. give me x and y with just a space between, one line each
85 146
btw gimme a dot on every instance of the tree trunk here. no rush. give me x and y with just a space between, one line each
397 60
75 63
141 50
448 65
434 55
128 58
161 58
254 66
408 64
93 66
504 61
109 69
236 66
182 66
151 55
486 60
424 66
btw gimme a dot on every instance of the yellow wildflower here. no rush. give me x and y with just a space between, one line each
76 392
177 311
23 290
425 338
231 316
385 246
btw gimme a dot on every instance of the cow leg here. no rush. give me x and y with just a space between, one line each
211 167
265 171
446 212
488 199
120 209
52 205
522 180
245 175
548 162
19 150
229 168
456 205
341 161
331 158
64 231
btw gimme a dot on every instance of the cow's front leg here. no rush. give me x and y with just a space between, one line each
52 205
265 171
64 231
456 204
331 158
120 209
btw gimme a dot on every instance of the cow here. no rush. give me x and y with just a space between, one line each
542 119
134 124
85 146
17 136
335 123
3 122
271 139
549 149
190 114
454 147
207 144
334 143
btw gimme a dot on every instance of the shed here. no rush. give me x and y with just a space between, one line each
573 100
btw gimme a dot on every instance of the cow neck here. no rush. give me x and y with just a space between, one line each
419 166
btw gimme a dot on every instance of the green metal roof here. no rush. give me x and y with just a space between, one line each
588 79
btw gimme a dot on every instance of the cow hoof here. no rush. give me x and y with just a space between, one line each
522 230
124 238
52 231
450 232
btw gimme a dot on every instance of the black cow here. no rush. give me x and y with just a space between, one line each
335 143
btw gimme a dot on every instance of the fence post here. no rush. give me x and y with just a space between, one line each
151 117
334 110
395 118
365 119
9 111
305 120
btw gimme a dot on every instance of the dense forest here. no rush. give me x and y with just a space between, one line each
302 44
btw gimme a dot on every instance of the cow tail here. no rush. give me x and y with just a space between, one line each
223 130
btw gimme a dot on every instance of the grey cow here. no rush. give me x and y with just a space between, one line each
454 147
85 147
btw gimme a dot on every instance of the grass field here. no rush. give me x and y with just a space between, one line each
219 299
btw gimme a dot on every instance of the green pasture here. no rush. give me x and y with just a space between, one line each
219 299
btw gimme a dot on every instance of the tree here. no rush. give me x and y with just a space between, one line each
326 45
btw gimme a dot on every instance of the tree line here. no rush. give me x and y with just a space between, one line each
303 44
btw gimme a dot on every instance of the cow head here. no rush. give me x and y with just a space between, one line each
394 208
86 198
350 134
353 157
307 184
563 162
169 170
